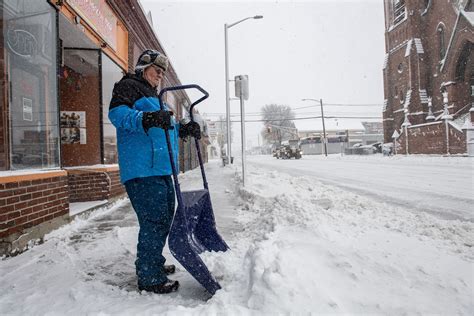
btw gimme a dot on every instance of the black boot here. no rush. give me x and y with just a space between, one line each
169 269
163 288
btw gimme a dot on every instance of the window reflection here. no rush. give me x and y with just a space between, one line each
111 73
29 32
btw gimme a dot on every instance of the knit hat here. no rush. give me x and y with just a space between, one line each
151 57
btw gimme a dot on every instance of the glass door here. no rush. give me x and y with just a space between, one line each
80 116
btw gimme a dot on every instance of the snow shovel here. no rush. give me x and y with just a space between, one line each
194 228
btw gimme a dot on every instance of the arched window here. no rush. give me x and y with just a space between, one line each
463 63
401 96
441 41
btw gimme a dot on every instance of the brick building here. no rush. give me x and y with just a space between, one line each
429 75
59 61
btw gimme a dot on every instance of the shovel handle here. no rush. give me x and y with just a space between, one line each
198 147
183 87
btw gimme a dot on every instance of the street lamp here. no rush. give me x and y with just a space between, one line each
227 100
324 127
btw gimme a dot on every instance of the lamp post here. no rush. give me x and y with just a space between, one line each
446 117
405 125
227 100
324 127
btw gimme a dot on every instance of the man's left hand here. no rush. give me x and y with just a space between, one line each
190 129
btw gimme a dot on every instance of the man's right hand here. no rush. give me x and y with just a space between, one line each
161 119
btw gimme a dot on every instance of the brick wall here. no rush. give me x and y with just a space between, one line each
25 204
116 188
94 185
88 186
457 141
431 139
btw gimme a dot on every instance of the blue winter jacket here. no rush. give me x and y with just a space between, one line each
141 154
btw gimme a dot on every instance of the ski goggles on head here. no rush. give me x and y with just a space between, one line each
152 57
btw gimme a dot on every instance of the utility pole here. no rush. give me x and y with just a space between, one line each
227 98
324 129
325 147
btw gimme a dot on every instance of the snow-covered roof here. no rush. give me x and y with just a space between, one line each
462 119
469 16
408 49
419 46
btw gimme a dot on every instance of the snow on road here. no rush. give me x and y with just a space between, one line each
443 186
297 245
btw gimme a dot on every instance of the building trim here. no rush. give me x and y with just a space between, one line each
448 49
425 124
427 8
402 44
25 175
455 126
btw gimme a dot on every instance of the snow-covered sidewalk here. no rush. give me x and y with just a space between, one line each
296 246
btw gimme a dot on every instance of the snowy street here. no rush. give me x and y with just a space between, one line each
300 243
442 186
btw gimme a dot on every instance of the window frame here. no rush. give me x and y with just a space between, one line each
7 98
399 12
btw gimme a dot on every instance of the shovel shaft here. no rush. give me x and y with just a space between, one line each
198 147
201 164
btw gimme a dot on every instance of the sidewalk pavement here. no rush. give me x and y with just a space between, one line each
98 250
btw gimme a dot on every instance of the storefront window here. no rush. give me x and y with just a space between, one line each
111 73
29 39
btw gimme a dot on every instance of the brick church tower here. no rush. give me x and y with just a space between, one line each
428 74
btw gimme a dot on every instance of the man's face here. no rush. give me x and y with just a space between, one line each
153 74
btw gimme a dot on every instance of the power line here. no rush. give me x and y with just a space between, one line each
261 114
302 107
353 105
311 117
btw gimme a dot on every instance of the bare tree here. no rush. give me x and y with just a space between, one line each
278 123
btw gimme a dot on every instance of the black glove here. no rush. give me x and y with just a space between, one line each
190 129
161 119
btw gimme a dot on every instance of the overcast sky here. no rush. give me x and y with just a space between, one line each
331 49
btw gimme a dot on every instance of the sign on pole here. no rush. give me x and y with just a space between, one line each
242 86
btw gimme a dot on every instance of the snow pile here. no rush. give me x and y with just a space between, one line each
297 246
317 249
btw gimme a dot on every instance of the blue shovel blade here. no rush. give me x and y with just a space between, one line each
194 231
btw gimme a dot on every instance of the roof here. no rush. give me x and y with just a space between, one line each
469 16
418 46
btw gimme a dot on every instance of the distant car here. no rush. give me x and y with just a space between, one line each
377 146
387 149
276 153
290 149
356 145
363 149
